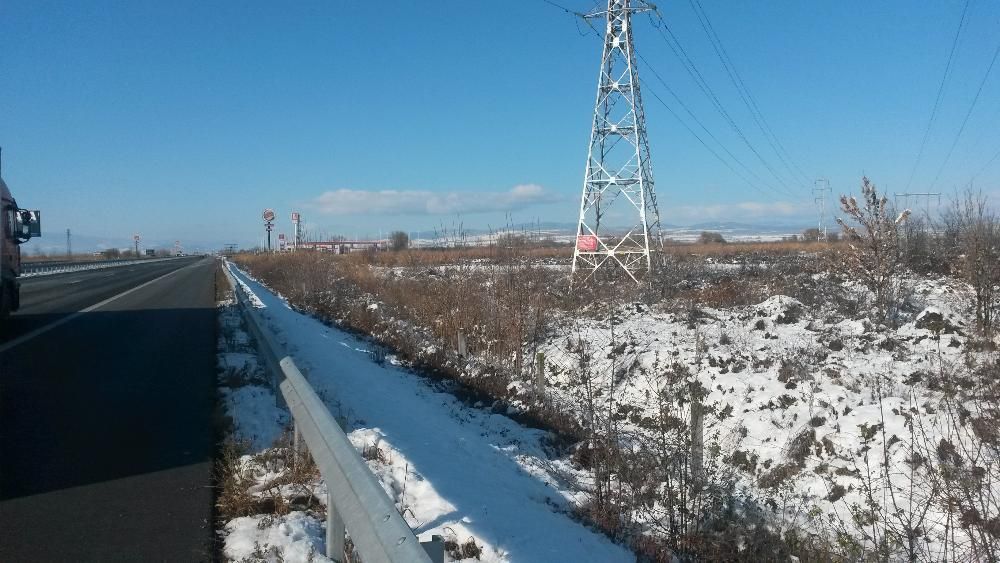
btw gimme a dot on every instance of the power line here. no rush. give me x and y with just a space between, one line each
940 92
967 115
745 95
985 166
563 8
706 130
706 89
702 141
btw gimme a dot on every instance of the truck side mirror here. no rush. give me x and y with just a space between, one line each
27 224
35 226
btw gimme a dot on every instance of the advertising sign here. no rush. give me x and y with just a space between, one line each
268 215
295 216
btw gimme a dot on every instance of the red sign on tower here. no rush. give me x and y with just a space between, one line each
586 243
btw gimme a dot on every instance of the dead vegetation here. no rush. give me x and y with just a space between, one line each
504 299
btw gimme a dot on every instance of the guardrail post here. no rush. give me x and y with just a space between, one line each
434 548
297 445
334 531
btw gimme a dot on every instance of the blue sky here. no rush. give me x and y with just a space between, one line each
183 120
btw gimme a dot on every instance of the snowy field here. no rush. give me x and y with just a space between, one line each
453 470
803 407
816 422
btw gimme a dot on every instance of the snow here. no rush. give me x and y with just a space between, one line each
257 420
453 470
296 536
778 375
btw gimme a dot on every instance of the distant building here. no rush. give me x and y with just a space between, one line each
346 246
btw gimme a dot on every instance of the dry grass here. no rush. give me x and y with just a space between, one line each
732 249
563 253
241 491
505 300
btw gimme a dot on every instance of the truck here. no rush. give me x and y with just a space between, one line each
18 226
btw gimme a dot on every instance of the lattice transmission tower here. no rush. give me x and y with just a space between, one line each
618 183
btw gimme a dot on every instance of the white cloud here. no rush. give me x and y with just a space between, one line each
423 202
740 211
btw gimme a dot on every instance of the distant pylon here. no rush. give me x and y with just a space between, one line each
820 190
618 163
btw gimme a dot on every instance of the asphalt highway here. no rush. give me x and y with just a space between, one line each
107 387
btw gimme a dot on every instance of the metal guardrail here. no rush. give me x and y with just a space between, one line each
35 268
356 500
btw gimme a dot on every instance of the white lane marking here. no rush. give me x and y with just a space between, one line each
59 322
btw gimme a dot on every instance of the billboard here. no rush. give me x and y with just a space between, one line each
268 215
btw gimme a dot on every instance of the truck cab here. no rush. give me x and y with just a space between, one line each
16 226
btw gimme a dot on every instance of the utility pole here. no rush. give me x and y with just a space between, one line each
820 190
618 169
69 246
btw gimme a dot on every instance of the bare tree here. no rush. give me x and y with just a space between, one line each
398 240
978 238
874 256
812 235
711 237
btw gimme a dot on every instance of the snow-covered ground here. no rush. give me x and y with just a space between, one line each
792 392
453 470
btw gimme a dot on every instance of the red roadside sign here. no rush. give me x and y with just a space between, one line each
586 243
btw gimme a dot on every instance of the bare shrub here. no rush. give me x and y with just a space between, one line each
978 230
874 259
398 240
234 480
711 237
242 491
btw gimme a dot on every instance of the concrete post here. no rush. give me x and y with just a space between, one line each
697 443
540 372
462 345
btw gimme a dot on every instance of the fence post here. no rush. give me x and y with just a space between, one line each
334 532
540 372
462 346
697 443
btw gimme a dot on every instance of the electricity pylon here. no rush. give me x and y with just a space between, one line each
619 170
821 188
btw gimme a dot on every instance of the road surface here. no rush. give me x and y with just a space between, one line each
107 385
